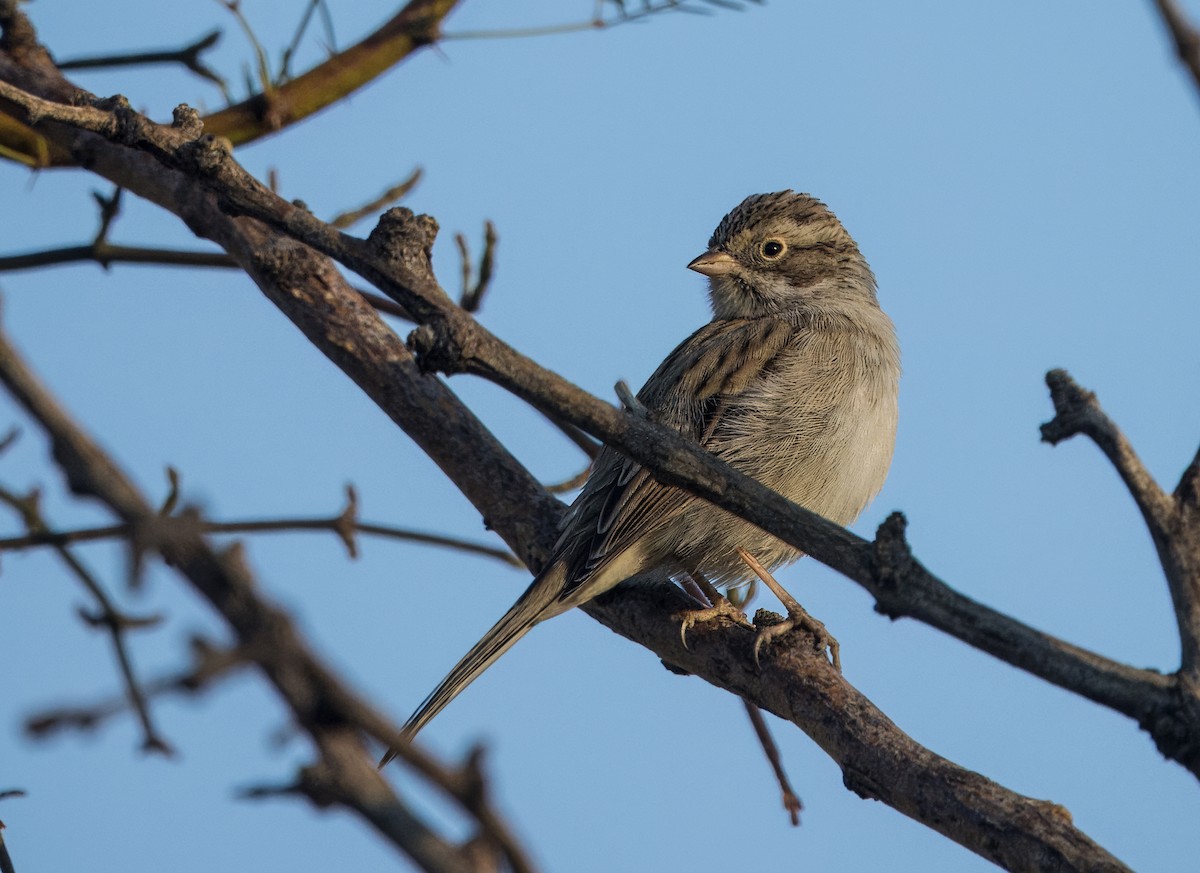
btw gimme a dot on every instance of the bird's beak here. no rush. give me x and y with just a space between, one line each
713 263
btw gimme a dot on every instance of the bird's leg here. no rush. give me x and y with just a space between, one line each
719 605
797 616
707 588
693 590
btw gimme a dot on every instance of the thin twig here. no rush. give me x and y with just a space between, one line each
386 305
628 399
472 294
262 65
572 483
520 32
189 56
336 524
209 664
392 195
1172 520
487 265
110 208
583 440
1185 37
106 254
598 21
285 65
464 265
173 492
791 801
1077 411
109 618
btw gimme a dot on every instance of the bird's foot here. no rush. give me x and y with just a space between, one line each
797 617
720 607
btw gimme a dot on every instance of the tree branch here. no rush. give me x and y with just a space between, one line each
345 525
600 22
1173 520
106 254
412 28
395 193
321 704
188 56
109 619
209 663
791 801
878 760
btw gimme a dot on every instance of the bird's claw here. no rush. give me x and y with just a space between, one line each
798 617
722 607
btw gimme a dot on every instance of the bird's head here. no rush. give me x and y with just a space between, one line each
779 252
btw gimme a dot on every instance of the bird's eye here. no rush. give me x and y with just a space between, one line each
772 249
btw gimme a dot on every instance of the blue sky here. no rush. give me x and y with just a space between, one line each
1023 179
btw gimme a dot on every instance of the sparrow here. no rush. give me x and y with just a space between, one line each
793 382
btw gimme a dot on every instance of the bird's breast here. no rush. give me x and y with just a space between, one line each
819 428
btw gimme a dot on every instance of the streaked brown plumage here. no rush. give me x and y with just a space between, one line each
793 382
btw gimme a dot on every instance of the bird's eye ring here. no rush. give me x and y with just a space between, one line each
772 249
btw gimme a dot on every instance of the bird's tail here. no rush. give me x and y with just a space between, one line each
540 601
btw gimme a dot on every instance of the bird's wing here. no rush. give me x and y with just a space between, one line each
689 392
